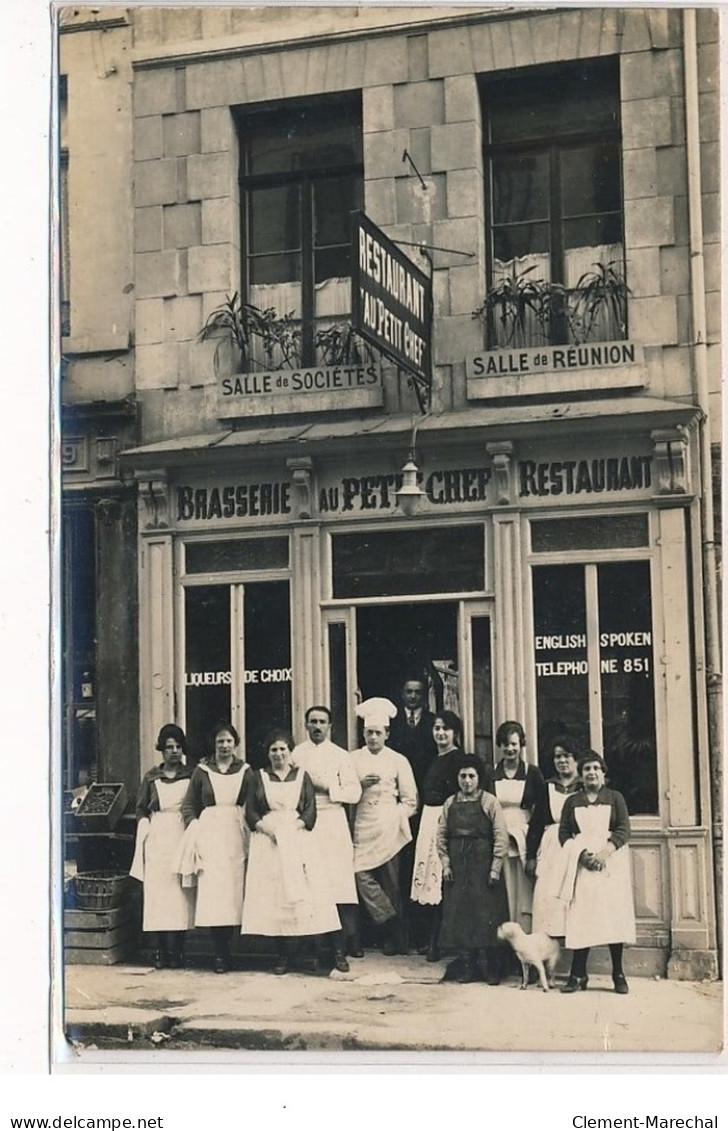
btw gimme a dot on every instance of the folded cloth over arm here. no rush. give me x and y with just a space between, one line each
187 863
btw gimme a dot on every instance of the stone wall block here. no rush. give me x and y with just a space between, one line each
708 25
181 226
419 104
378 109
217 130
386 61
147 25
461 99
157 274
643 272
710 166
383 153
218 222
420 151
590 33
155 92
149 321
148 228
380 203
465 193
155 182
671 171
210 268
147 138
674 272
653 321
569 33
713 314
711 216
461 238
503 51
417 58
209 175
713 255
156 366
649 223
456 336
216 22
646 122
218 83
639 169
450 53
182 318
181 24
481 50
418 205
455 146
710 115
181 134
636 29
466 288
545 37
355 57
441 293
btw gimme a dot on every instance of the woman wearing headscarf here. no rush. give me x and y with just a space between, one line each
216 841
168 907
472 842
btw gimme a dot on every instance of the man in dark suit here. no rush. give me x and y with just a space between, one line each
411 735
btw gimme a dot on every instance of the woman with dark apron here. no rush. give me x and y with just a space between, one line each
472 843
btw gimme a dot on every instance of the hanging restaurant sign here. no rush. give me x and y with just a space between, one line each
391 300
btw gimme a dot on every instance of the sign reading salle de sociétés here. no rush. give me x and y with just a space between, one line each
391 299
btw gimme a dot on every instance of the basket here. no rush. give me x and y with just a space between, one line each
100 891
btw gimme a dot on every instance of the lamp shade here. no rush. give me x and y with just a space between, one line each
409 494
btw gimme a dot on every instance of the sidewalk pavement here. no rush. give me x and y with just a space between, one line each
382 1004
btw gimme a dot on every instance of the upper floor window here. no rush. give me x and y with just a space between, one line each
553 162
301 177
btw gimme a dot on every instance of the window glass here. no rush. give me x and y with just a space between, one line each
337 685
598 532
80 753
207 672
267 676
448 560
236 554
560 649
520 187
627 682
482 689
275 219
590 179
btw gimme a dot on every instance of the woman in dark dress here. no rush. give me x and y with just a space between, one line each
441 782
472 843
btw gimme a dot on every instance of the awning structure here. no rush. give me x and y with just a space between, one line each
575 420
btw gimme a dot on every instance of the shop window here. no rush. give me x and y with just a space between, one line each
236 554
446 560
208 671
556 271
80 746
594 665
301 178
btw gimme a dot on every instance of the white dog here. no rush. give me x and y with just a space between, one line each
539 950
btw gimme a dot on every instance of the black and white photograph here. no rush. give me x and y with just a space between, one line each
388 710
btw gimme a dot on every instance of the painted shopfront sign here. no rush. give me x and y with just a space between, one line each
555 369
325 379
372 491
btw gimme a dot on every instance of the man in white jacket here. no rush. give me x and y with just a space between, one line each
335 780
382 824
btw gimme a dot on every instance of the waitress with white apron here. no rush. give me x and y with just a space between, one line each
288 892
594 830
168 907
521 791
549 909
216 840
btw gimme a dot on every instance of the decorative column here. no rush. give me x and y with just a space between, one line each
156 612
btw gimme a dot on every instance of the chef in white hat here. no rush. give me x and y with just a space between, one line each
381 825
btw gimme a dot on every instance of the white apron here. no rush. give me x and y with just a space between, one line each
167 905
602 908
221 845
287 890
549 909
382 827
333 839
519 889
427 872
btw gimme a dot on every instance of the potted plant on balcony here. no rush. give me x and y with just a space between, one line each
259 339
341 345
521 311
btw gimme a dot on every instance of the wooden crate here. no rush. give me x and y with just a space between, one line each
101 937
